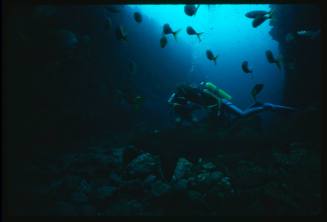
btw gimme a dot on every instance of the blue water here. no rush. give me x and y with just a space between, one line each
227 32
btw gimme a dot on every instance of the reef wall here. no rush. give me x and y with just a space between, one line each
301 57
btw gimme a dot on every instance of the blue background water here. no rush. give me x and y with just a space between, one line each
227 32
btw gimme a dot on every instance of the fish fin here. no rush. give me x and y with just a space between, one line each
278 64
197 8
175 33
215 59
198 35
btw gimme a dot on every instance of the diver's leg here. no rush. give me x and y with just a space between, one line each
255 109
266 107
234 109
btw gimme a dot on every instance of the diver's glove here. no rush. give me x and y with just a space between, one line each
274 107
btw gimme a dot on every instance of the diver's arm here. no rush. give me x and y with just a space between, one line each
171 98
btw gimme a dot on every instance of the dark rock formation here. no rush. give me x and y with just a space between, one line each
301 57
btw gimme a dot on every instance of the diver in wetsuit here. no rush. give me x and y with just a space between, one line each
216 101
182 106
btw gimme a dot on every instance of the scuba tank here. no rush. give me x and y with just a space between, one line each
219 92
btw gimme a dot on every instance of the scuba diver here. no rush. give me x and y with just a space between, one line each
216 101
182 106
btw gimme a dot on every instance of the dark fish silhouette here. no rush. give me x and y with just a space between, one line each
168 30
258 16
120 33
163 41
256 13
190 30
191 10
245 67
211 56
271 59
256 90
137 17
258 21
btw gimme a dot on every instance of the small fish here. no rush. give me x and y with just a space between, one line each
190 30
256 90
167 30
245 67
191 10
108 23
163 41
259 20
120 33
211 56
271 59
257 13
137 17
309 34
258 17
112 9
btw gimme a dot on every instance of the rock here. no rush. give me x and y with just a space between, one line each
55 186
149 181
183 169
130 152
133 186
79 197
144 165
71 183
209 166
115 178
87 210
117 157
216 176
125 208
105 192
160 188
85 187
181 185
194 195
249 175
63 209
197 200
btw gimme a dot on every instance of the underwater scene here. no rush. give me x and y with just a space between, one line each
164 109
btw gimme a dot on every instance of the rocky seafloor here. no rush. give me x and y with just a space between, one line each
127 180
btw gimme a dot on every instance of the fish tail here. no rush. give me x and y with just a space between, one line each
215 60
198 35
175 33
278 64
